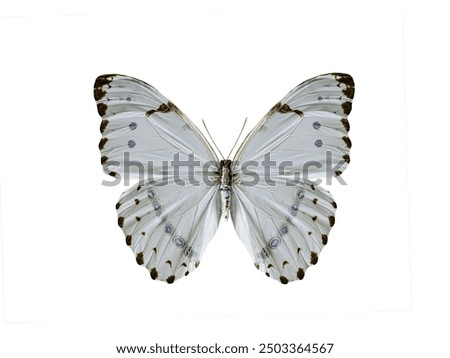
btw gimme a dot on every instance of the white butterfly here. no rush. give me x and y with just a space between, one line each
283 223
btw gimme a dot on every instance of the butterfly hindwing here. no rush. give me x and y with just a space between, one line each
168 227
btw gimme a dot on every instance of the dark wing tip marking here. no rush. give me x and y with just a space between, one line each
333 204
102 108
164 108
314 258
120 221
346 107
113 174
154 273
346 158
257 265
286 109
140 258
346 124
103 159
197 264
103 80
102 143
300 274
128 240
347 141
324 239
118 206
103 125
331 220
170 279
337 173
346 80
284 280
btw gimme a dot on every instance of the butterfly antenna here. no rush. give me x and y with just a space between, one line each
212 140
239 136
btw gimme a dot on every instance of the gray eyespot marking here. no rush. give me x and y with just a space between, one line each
178 241
168 229
284 230
294 207
318 143
151 194
157 207
132 126
316 125
300 194
170 279
131 143
154 273
319 98
300 274
283 280
274 242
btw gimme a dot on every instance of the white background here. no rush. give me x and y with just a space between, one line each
69 282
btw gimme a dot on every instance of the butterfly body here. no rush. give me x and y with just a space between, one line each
169 216
225 186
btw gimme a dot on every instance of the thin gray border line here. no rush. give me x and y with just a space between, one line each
405 121
2 257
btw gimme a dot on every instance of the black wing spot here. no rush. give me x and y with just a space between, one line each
300 274
154 273
314 258
170 279
331 220
283 280
128 240
140 258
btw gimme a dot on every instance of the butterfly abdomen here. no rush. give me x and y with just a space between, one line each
225 187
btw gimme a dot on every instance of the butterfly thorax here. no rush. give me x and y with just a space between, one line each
225 186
